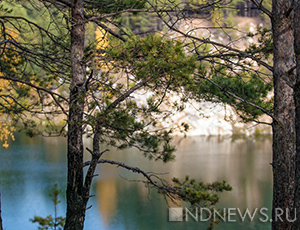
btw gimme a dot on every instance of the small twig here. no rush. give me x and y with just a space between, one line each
91 152
89 207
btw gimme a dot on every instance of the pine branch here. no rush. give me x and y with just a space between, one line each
137 170
226 92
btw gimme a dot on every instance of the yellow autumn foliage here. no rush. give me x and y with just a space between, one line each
6 132
102 43
6 126
101 38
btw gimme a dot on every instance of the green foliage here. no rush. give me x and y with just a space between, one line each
121 129
154 59
263 47
49 222
201 193
56 223
204 195
246 86
225 76
156 64
112 6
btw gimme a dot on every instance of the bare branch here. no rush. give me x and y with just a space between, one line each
110 31
17 103
125 95
133 11
171 190
51 36
53 94
262 8
33 86
37 54
216 44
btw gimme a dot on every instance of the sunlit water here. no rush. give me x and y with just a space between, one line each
30 167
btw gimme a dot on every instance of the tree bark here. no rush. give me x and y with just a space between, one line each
297 105
76 197
284 116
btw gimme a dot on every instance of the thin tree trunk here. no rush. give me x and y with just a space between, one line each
1 227
297 105
76 200
284 116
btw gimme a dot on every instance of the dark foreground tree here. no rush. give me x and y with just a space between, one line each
64 73
284 129
232 69
104 79
297 110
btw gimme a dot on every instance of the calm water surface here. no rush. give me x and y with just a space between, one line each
30 167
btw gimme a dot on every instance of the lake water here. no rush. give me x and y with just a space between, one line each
30 167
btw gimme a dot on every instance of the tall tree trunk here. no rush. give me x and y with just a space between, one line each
284 116
76 198
297 105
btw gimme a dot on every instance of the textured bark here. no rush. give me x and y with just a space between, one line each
76 197
297 105
284 115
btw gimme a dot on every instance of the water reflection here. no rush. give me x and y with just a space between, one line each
30 167
107 199
244 164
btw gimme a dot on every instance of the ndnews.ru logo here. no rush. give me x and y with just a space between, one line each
229 215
